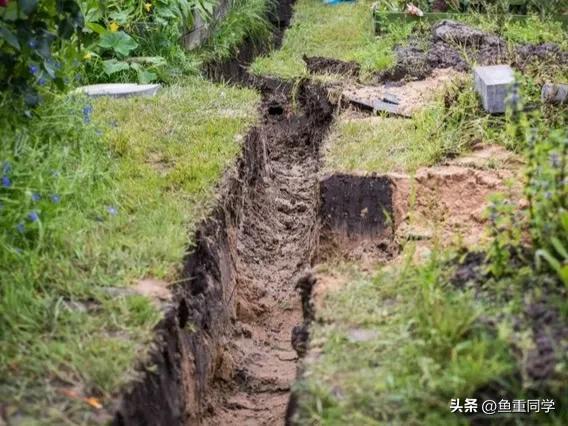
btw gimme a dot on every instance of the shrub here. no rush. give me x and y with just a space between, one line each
138 39
36 48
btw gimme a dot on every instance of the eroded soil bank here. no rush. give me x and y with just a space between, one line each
224 353
276 240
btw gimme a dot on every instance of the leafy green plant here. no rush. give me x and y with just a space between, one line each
120 43
547 193
138 39
557 260
505 236
37 51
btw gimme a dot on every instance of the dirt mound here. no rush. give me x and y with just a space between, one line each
458 33
321 65
459 46
547 53
449 202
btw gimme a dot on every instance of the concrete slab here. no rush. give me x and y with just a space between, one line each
119 90
493 83
375 106
391 99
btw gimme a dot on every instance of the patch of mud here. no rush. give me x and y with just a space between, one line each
550 341
321 65
413 95
545 53
458 46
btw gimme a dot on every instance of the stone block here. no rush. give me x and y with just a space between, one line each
494 83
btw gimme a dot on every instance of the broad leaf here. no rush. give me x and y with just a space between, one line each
10 38
96 28
145 77
119 42
113 66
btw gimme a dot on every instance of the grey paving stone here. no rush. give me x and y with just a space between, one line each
493 83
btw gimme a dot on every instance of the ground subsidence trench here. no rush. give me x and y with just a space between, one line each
223 354
276 241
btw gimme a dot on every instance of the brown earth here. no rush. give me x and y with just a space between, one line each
275 243
318 64
445 204
458 46
413 96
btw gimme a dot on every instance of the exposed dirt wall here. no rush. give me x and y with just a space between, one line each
233 252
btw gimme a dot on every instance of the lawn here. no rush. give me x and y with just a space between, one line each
343 31
97 195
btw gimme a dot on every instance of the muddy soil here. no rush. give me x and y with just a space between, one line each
322 65
223 355
456 45
275 244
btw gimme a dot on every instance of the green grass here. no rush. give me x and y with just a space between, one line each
428 342
343 31
384 144
534 30
247 20
117 200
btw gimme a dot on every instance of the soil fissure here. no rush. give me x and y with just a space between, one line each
276 241
223 354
